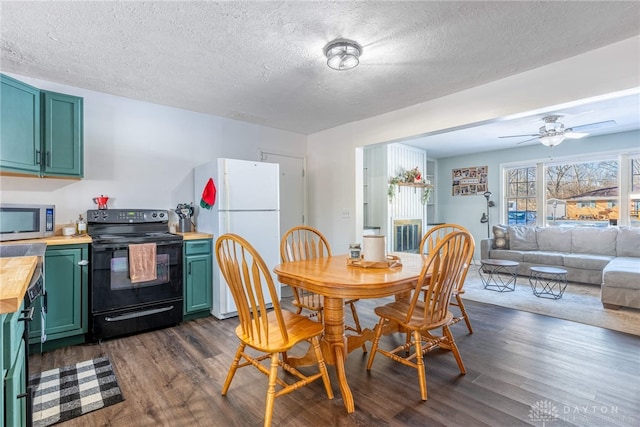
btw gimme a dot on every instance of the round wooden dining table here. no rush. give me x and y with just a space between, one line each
336 280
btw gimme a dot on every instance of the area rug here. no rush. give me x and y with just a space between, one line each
580 303
65 393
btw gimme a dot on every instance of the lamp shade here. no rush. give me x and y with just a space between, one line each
343 54
552 140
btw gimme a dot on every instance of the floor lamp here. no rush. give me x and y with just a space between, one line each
485 215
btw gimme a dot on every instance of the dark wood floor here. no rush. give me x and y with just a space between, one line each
516 362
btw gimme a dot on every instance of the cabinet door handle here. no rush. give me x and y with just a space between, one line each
83 262
38 157
48 158
28 314
189 271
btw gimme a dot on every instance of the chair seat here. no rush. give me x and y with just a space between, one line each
398 310
298 328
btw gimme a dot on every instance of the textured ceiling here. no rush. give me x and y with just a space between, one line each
262 62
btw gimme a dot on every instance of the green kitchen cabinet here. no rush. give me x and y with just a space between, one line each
66 281
198 265
62 135
19 127
13 363
41 131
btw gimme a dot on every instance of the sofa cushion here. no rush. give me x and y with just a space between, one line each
622 272
544 258
599 241
586 261
628 242
522 238
509 255
556 239
500 237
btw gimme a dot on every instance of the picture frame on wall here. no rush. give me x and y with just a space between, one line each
469 181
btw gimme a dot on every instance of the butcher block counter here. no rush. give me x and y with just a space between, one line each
15 274
195 235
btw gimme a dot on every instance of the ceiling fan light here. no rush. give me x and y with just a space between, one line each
552 140
342 54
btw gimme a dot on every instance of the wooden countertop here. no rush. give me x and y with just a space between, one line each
15 274
195 235
55 240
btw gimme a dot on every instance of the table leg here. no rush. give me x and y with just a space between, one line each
334 336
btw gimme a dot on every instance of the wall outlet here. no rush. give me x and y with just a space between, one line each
346 213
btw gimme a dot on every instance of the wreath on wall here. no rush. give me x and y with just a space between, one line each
412 177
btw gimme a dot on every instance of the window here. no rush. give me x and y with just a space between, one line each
521 196
634 197
577 193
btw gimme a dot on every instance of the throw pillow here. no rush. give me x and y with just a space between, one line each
523 238
500 237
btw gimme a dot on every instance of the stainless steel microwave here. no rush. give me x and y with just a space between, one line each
19 221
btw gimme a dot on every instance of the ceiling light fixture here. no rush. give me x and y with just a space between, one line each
342 54
552 139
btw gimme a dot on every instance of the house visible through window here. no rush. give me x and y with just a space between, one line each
521 196
579 193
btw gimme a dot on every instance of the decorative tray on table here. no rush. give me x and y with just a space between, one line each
392 261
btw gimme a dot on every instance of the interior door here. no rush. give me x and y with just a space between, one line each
291 189
291 195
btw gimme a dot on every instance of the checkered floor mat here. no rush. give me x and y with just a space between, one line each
71 391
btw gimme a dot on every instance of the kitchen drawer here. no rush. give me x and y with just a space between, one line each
196 247
12 335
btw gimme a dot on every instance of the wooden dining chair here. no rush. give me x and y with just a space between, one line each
304 242
429 241
421 317
270 332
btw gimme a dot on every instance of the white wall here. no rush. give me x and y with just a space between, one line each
141 155
333 155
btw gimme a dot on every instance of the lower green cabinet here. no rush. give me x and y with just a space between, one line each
13 393
198 265
66 275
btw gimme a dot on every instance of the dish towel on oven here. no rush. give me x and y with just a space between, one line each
142 262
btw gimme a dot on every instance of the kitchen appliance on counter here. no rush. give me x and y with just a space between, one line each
120 306
248 204
101 202
25 221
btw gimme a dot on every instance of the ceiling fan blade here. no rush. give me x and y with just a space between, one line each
592 126
520 136
575 135
527 140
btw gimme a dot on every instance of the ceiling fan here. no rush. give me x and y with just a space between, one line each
553 132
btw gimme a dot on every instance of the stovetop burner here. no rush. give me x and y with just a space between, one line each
124 226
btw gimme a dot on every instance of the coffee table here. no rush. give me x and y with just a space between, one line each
548 282
493 272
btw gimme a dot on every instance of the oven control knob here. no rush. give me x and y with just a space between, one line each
161 214
155 214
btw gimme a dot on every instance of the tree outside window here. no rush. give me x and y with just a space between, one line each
521 196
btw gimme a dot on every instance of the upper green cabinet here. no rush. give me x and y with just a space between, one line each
62 134
41 132
19 126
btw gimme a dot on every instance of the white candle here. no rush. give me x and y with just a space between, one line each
375 248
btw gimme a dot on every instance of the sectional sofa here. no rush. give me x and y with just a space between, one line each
609 257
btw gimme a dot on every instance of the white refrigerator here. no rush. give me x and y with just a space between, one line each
248 204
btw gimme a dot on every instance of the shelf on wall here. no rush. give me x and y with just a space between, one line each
413 184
